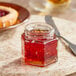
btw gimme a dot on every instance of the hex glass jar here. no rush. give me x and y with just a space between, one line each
39 45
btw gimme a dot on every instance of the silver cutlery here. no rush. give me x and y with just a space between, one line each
51 22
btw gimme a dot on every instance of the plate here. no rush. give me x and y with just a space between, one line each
23 14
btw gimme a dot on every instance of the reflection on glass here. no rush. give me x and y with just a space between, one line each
49 5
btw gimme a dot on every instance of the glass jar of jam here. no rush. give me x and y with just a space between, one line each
39 44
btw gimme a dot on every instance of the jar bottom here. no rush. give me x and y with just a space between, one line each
47 62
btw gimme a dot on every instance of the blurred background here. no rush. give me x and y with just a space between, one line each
42 7
65 9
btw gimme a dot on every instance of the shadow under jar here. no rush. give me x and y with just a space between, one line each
39 45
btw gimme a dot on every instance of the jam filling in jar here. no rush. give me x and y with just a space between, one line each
39 45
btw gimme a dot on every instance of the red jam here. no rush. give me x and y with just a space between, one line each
38 49
3 13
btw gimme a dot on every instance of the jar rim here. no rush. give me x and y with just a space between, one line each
39 29
33 25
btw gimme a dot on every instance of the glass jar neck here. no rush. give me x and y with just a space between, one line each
38 32
39 35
